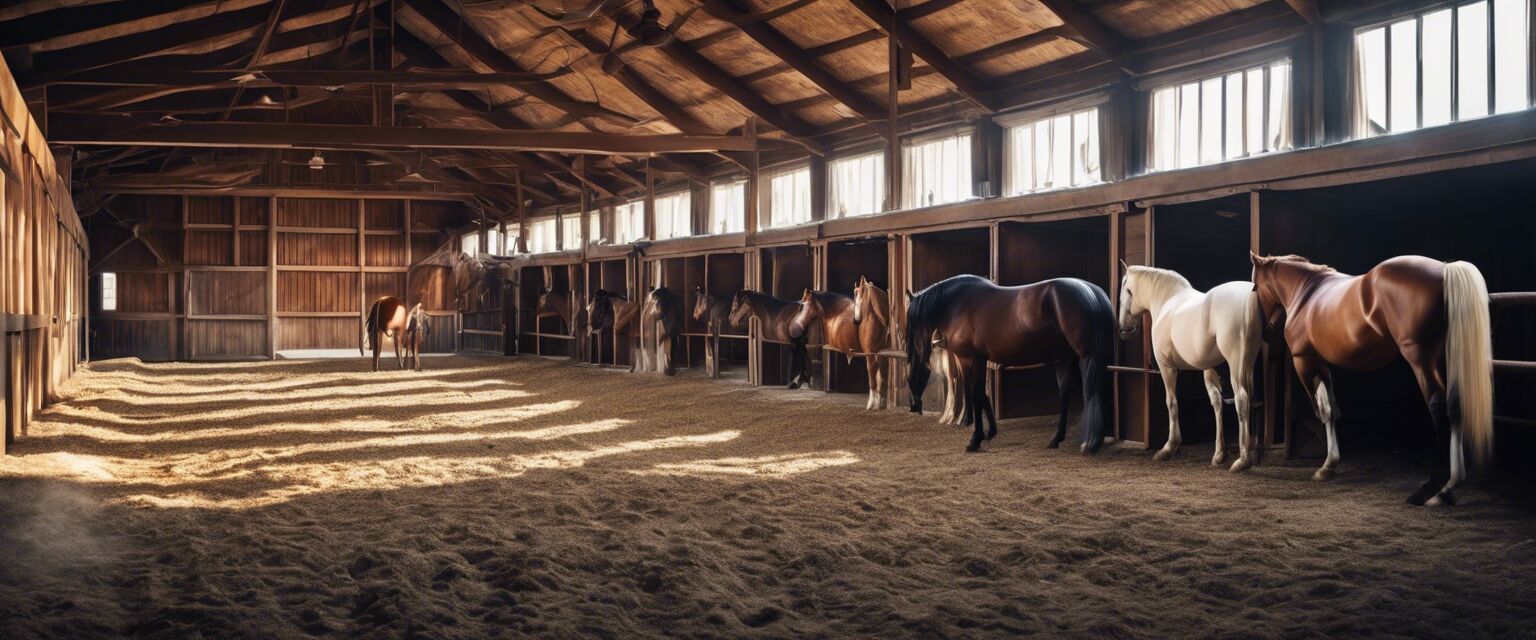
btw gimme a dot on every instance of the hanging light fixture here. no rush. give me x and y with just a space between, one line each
317 162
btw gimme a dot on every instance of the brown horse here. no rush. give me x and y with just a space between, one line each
773 321
386 317
712 312
845 333
610 311
661 323
1056 321
418 325
555 304
1432 314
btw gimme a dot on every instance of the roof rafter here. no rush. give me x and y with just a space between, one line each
967 82
1093 32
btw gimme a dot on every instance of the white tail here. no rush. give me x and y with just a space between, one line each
1469 357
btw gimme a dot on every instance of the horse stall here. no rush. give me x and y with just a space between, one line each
785 272
1029 252
929 257
845 261
546 333
614 275
1482 215
680 275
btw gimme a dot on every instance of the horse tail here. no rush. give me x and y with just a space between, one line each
1469 358
370 323
1098 353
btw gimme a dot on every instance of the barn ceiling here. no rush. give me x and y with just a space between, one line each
814 74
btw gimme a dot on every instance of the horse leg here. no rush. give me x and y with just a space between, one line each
1319 383
1175 438
1242 385
872 373
985 407
1213 391
399 350
1445 472
664 353
377 348
1063 387
976 392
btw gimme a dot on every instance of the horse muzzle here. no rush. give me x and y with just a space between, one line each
1127 334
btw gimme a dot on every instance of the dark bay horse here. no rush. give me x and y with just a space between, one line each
712 312
1432 314
612 311
387 316
418 325
661 323
773 320
836 312
1060 321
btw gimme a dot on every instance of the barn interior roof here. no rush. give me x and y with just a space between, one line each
159 94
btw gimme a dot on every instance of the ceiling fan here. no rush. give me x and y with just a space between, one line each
573 16
647 32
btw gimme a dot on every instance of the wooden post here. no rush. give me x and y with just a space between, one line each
818 188
650 201
186 282
272 277
893 112
362 277
754 167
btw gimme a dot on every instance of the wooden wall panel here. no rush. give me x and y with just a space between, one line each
253 248
253 212
384 251
316 212
304 291
318 333
433 286
423 244
228 293
210 248
210 210
226 338
384 214
385 284
431 215
143 292
146 339
316 249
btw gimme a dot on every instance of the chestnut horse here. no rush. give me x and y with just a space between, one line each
386 317
418 325
835 311
872 314
661 323
773 319
555 304
1055 321
1432 314
609 310
712 312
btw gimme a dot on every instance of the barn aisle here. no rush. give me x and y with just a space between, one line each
489 497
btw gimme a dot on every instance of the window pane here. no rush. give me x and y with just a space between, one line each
1472 60
1189 125
1437 68
1210 120
470 243
1165 129
108 292
1254 103
1279 111
1021 159
1372 48
1061 151
1510 60
1234 115
937 171
856 185
789 198
1091 147
727 207
1043 155
1405 76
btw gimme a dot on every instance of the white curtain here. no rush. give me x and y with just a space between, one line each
788 197
936 170
541 236
674 215
728 207
470 243
1052 153
570 232
856 185
629 222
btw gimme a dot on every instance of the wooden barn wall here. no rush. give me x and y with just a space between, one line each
238 277
42 265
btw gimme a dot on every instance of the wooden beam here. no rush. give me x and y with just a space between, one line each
452 26
328 78
644 89
325 136
1093 32
1308 10
776 43
970 85
926 9
845 43
1021 43
261 50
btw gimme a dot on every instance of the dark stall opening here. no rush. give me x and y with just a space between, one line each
724 275
846 262
786 273
549 335
610 348
1030 252
1481 215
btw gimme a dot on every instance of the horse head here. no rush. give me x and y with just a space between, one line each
741 309
1130 306
869 300
810 310
553 303
600 311
701 303
1277 278
918 352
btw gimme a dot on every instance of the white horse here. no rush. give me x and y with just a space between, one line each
1194 331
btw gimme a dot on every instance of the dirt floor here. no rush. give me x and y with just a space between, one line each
511 497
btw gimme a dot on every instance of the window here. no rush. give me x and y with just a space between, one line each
674 215
1052 153
595 227
541 236
787 200
936 170
109 292
1236 115
629 222
470 243
728 207
1437 67
856 185
493 242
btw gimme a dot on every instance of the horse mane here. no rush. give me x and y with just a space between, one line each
924 311
830 297
1160 283
1291 258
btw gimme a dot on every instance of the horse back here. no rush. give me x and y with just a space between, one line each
1357 322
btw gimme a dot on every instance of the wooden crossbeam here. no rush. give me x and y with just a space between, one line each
342 137
229 78
1308 10
966 82
1021 43
1092 31
926 9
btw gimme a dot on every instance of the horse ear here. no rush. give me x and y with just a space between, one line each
909 296
1123 266
1255 258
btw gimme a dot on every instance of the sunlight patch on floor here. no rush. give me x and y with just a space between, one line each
780 465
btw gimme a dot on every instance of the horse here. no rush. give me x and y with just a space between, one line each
386 317
555 304
773 319
1065 321
872 314
1195 331
1431 313
610 310
835 311
418 325
661 323
712 312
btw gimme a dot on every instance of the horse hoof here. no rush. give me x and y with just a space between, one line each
1089 449
973 447
1217 461
1162 455
1441 500
1054 443
1323 475
1240 466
